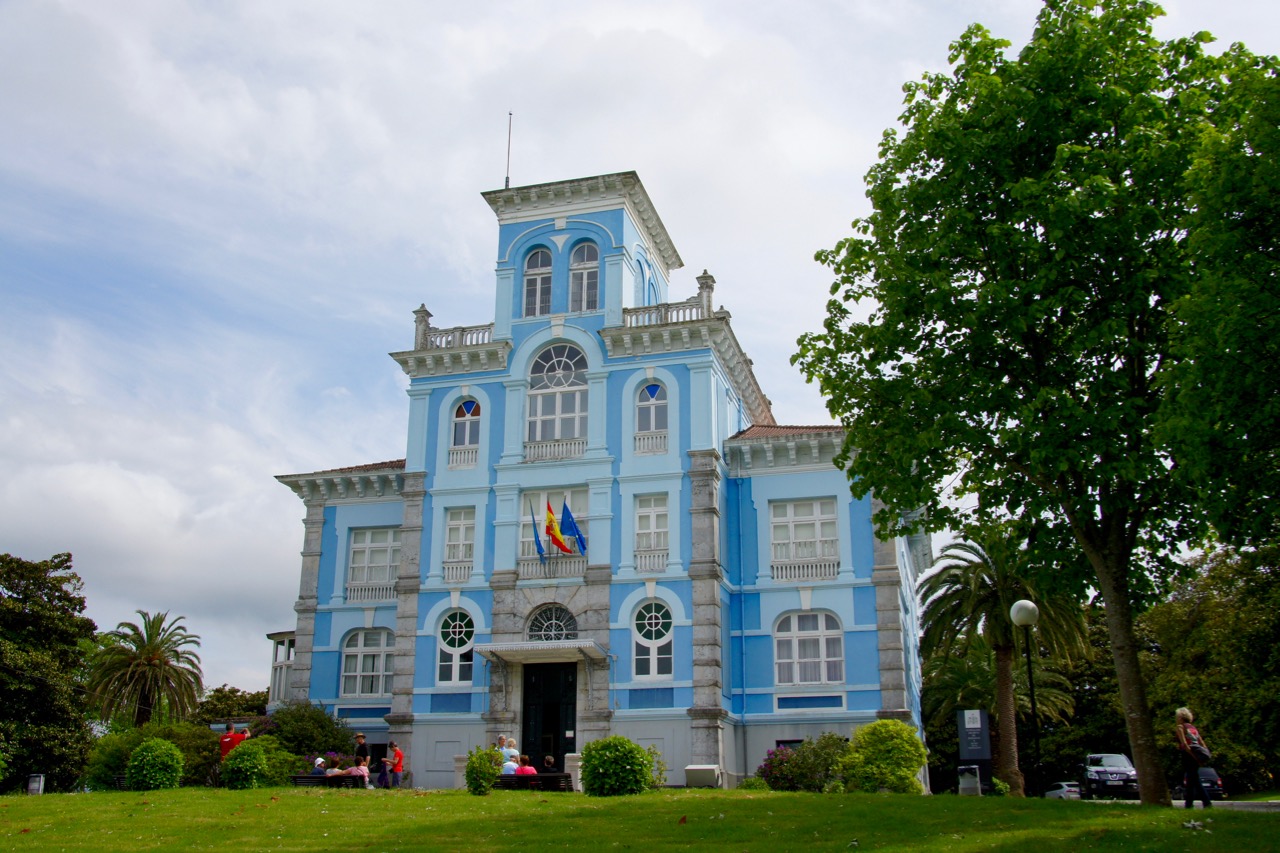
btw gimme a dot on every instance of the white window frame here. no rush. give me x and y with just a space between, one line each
459 543
368 663
455 662
804 539
651 418
558 395
808 648
464 441
652 642
537 284
584 278
552 623
653 536
373 560
577 500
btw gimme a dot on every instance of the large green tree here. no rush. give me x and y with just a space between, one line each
147 670
968 595
1223 418
1027 239
43 724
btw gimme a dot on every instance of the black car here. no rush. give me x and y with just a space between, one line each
1209 780
1109 775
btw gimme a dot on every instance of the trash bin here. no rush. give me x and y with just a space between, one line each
970 781
35 783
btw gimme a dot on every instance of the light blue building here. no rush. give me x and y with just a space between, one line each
726 593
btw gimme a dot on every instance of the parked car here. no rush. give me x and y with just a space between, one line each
1063 791
1109 775
1209 779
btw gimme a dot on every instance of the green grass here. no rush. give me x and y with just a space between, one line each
290 819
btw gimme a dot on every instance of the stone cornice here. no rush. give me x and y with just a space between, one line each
586 195
363 482
795 449
435 361
713 333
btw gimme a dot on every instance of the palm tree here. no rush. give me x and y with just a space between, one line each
968 595
147 670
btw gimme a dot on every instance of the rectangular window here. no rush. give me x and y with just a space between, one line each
375 555
804 530
460 534
537 502
651 523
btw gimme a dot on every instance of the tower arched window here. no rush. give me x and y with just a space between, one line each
457 636
651 640
809 649
551 623
466 424
558 395
584 278
537 284
651 419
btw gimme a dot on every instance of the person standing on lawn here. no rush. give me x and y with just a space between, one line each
231 739
393 766
1190 743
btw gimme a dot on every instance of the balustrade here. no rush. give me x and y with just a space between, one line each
651 442
381 591
543 451
805 570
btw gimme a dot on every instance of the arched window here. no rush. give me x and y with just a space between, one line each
652 640
466 424
553 623
537 284
367 663
651 419
584 278
457 633
558 394
809 649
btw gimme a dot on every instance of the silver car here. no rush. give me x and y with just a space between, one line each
1063 791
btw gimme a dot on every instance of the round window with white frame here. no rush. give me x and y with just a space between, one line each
457 633
652 640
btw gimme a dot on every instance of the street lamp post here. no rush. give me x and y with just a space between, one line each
1025 615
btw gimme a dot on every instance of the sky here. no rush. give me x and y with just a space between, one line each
216 220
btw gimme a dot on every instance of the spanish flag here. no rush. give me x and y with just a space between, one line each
554 536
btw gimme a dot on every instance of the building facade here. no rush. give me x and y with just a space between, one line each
598 528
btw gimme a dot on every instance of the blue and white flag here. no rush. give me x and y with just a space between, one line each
569 528
537 540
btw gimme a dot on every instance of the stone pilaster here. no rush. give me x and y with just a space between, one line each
408 583
299 688
706 573
893 678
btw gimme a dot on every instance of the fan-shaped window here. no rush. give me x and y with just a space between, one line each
553 623
558 395
466 424
457 633
652 640
651 408
537 284
584 278
367 663
809 649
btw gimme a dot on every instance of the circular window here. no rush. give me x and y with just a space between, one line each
653 621
559 366
457 630
553 623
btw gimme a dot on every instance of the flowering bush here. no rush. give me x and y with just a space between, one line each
615 765
811 766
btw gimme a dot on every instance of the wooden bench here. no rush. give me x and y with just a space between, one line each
337 780
539 782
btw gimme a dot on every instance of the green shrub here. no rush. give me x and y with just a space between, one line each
753 783
614 766
155 764
658 767
304 729
808 767
999 788
245 766
885 756
281 764
110 754
110 758
484 765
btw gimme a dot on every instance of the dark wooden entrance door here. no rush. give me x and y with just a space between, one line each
550 711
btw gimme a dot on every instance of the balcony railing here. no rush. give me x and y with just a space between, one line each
657 315
795 571
651 442
459 336
651 561
554 567
463 457
457 572
381 591
544 451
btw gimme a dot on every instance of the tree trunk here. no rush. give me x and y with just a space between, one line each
1112 580
1007 713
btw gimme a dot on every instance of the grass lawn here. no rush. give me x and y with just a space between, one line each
320 820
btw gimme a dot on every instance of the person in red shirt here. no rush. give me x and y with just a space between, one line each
395 764
231 739
525 768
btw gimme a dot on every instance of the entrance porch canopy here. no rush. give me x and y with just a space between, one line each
542 651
